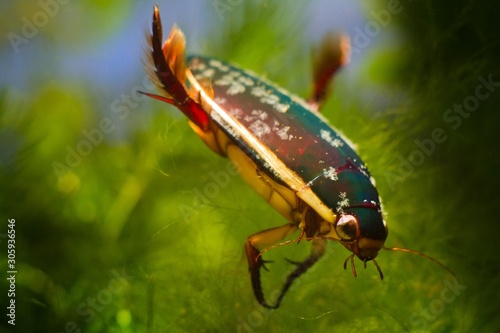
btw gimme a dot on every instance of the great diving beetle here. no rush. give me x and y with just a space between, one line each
284 149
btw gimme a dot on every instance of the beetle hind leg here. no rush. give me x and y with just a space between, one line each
328 58
167 69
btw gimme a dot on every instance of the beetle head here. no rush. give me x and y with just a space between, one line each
362 230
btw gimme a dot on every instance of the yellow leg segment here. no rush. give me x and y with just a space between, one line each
267 238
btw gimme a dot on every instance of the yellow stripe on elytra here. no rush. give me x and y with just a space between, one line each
296 183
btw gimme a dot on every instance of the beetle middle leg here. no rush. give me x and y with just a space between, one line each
253 245
317 251
266 238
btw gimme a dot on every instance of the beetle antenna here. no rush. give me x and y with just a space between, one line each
402 249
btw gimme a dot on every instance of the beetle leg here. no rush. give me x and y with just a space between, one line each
317 251
258 241
330 56
166 67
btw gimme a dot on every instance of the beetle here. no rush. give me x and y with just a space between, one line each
284 149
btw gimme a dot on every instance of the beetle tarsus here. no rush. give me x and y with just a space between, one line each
301 269
257 288
255 262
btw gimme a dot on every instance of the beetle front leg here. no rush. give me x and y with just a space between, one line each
261 240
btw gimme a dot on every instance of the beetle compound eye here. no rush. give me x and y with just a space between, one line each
347 227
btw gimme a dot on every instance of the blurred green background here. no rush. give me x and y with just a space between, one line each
120 226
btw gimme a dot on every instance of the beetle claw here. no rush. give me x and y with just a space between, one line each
256 262
293 262
264 262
